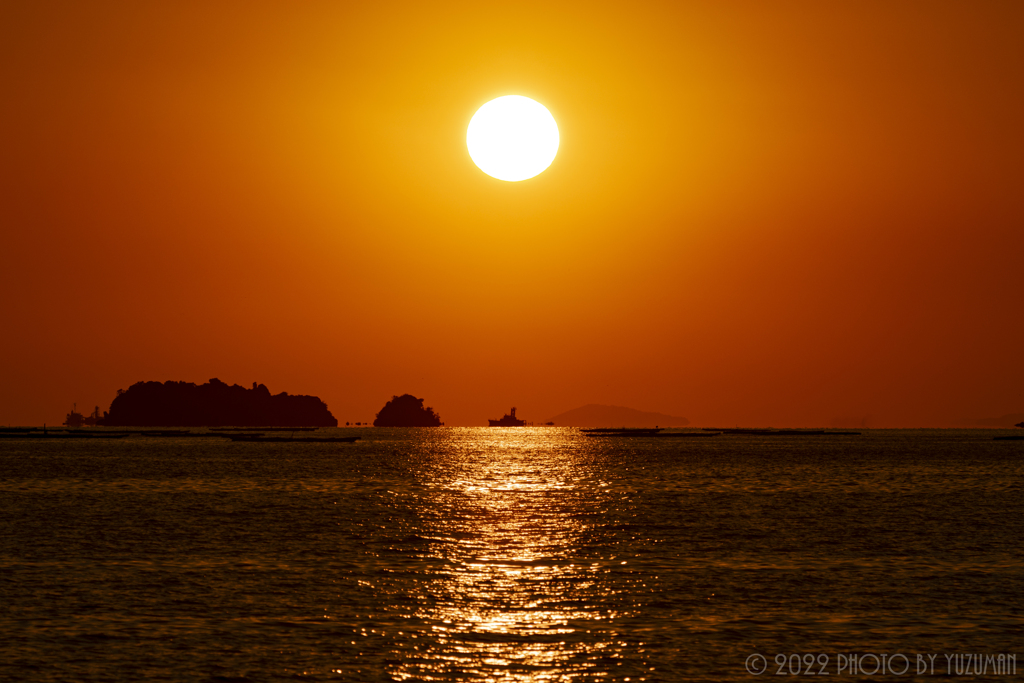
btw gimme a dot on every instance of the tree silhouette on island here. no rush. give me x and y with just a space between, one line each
406 411
214 404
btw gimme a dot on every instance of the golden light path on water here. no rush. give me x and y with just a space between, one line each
476 554
520 597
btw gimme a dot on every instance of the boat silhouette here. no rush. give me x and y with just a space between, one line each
509 420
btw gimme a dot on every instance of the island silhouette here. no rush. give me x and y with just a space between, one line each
595 415
214 404
406 411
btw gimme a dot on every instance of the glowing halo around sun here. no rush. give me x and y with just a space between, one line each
512 138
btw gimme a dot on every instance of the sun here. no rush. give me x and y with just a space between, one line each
512 138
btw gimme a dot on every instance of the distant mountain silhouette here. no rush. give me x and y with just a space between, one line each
215 404
406 411
1008 420
594 415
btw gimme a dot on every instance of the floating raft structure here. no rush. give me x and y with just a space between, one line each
644 432
263 429
657 432
780 432
242 434
46 434
259 438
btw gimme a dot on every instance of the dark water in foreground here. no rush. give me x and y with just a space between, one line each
504 555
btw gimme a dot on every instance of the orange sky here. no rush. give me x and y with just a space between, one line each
760 213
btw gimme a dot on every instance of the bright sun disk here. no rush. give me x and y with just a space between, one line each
512 138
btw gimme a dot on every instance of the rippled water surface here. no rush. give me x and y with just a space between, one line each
503 554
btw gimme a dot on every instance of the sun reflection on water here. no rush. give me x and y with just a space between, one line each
520 598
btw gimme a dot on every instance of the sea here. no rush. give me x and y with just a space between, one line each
513 554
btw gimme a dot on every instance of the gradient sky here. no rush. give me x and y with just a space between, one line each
760 213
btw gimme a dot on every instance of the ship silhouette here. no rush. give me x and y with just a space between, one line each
508 421
76 419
